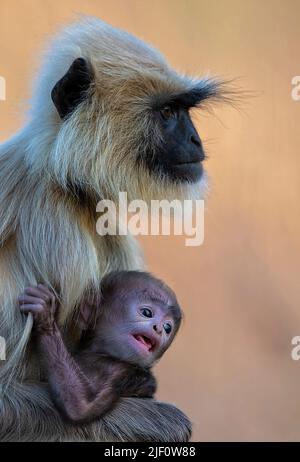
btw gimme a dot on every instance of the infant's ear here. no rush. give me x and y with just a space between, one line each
88 311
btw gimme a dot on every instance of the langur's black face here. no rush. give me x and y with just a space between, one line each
135 331
181 154
175 152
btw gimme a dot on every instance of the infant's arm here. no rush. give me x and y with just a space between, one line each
78 397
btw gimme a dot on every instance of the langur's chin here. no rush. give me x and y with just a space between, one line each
203 185
196 190
183 172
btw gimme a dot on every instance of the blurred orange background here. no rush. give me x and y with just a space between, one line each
230 368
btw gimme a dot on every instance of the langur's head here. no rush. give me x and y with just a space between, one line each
110 115
135 320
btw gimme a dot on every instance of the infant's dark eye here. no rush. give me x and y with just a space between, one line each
147 312
167 327
168 112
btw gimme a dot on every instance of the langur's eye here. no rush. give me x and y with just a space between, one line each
167 327
147 312
168 112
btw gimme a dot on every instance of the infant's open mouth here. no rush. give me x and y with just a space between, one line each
145 342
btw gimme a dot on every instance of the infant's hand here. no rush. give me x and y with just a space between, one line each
42 304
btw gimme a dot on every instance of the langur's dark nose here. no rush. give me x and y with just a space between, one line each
196 140
197 152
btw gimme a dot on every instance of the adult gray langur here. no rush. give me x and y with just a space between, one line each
107 114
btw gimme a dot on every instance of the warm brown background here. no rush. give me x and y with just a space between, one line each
230 369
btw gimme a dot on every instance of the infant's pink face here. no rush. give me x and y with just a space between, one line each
150 330
138 331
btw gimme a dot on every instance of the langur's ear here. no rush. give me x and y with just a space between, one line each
88 311
72 88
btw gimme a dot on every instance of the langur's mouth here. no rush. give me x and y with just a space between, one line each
145 342
189 162
190 171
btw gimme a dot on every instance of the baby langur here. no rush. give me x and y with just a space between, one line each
126 326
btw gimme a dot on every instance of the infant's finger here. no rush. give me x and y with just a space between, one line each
33 308
29 299
49 294
53 303
36 293
44 289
